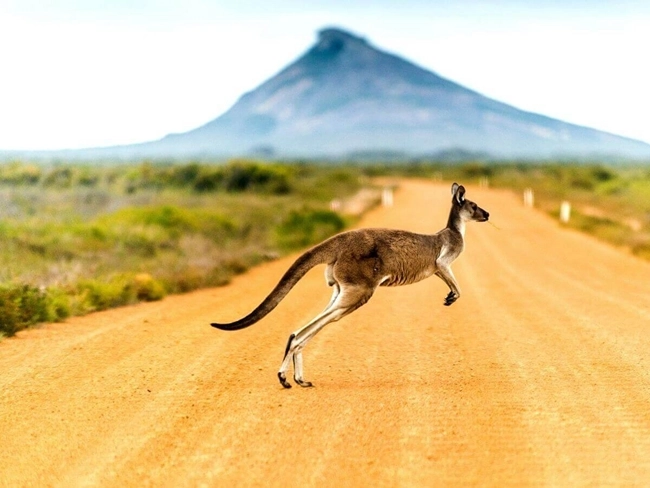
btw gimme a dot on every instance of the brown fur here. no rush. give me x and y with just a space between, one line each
359 261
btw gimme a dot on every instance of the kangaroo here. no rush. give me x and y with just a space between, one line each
358 261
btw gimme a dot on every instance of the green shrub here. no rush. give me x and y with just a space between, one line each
60 177
242 176
82 243
147 289
642 250
471 171
144 230
101 295
17 173
58 304
208 180
188 279
306 227
140 244
169 217
22 306
185 175
602 174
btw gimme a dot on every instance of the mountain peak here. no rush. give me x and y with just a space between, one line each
333 42
343 95
334 35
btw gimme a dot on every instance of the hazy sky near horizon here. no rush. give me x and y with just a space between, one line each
86 73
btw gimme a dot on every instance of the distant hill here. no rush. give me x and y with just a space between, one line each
345 97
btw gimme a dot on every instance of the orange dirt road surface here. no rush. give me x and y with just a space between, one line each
539 375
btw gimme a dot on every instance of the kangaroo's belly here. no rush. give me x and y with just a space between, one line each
406 278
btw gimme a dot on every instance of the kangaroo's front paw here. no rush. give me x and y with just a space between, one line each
451 298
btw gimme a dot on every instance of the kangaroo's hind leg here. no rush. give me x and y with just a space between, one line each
329 279
346 301
293 351
297 355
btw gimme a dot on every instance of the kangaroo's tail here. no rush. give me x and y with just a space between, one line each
317 255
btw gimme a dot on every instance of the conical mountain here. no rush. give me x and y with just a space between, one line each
345 96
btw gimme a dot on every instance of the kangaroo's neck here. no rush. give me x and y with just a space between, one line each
455 222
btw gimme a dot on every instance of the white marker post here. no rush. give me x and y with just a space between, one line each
529 198
387 197
565 212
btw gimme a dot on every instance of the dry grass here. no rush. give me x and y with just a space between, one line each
78 239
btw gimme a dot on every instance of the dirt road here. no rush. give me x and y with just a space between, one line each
538 376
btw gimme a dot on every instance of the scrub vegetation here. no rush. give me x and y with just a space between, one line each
76 239
610 202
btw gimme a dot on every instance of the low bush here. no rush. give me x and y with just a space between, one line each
147 289
306 227
23 305
91 295
81 238
642 250
100 295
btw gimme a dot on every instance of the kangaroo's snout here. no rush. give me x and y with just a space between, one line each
481 215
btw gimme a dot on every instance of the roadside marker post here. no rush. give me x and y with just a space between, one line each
529 198
387 197
565 212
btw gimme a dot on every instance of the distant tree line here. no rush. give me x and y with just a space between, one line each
236 176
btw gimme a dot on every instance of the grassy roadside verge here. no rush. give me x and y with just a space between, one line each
77 239
609 202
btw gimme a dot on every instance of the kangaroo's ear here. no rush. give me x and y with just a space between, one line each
459 193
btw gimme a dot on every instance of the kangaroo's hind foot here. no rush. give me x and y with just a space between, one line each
283 380
297 369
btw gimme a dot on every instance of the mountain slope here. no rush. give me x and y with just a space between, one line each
345 96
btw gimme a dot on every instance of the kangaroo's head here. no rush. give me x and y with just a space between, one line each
467 209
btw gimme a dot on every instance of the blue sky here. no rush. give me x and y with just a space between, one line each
90 73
